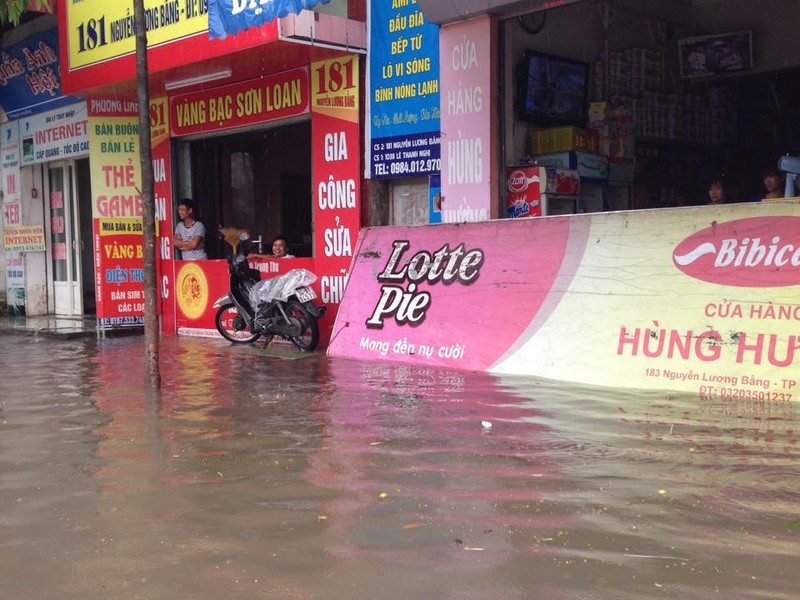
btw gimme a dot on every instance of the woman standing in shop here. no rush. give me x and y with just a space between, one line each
716 192
773 183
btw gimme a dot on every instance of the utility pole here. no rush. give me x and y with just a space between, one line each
151 333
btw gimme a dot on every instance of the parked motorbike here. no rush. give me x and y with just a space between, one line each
282 305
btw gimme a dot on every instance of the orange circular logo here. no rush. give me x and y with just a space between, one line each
192 290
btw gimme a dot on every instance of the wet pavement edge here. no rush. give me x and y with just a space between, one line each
60 327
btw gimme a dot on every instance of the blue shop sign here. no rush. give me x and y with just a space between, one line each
29 79
404 112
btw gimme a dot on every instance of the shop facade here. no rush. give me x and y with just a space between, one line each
47 258
259 127
687 298
602 96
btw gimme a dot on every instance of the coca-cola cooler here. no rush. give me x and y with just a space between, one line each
537 191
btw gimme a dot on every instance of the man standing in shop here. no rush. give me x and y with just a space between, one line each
190 234
280 248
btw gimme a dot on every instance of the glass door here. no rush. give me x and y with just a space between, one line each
65 242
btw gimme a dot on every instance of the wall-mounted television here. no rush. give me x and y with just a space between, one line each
552 90
720 54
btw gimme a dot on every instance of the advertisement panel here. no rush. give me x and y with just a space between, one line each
403 108
117 212
257 101
54 135
706 304
336 152
468 181
29 78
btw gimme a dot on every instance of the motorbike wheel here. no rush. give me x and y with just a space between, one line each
309 338
232 327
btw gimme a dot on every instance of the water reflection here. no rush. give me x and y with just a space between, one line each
256 477
417 475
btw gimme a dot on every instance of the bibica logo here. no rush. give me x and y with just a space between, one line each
754 252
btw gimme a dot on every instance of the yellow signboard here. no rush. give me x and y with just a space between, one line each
24 238
116 175
334 88
99 30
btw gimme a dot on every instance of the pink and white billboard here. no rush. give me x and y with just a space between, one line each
453 296
702 299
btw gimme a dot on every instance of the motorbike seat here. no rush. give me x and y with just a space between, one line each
242 294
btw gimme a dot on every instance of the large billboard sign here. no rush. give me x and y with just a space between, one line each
706 303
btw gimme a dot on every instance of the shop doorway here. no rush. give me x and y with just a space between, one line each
69 202
259 180
296 213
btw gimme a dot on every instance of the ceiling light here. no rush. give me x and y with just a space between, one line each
182 83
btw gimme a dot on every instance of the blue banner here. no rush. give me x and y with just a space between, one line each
404 107
29 78
231 16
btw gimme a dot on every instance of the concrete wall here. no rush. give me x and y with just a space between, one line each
38 299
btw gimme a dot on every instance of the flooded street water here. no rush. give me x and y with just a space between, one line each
262 477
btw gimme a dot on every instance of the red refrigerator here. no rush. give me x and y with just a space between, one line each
536 191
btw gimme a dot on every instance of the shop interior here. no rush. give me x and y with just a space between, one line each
259 180
671 93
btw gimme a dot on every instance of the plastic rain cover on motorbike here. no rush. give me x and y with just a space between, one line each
280 287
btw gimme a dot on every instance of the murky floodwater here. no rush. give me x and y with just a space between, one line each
258 477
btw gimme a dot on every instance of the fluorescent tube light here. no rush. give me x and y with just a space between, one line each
182 83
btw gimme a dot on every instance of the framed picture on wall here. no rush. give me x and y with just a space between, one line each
711 55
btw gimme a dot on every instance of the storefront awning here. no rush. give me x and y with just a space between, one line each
445 11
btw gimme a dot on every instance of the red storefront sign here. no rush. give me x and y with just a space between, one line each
247 103
336 154
162 185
